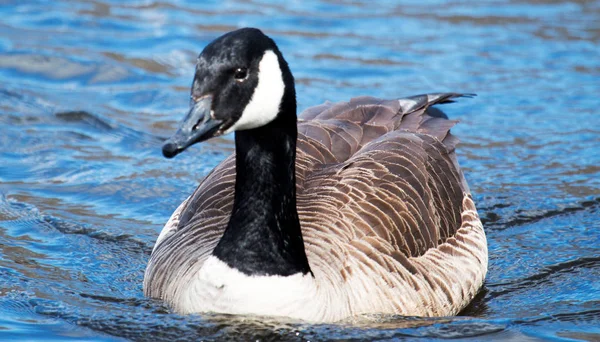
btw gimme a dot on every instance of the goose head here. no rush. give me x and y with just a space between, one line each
241 82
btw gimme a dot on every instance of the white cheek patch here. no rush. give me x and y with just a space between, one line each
264 104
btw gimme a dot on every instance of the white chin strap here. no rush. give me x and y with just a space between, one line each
264 104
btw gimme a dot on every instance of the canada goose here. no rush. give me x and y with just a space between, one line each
353 208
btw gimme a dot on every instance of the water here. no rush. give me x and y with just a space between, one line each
91 88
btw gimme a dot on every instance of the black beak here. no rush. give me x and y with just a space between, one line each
197 126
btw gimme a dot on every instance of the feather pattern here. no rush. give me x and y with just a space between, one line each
384 210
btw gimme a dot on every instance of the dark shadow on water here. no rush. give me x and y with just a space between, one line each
85 118
124 241
478 306
219 327
493 221
543 275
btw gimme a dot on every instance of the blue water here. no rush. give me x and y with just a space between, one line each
90 89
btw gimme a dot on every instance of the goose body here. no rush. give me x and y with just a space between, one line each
352 208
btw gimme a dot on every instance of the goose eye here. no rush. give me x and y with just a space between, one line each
240 74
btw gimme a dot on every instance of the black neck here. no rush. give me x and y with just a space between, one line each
263 236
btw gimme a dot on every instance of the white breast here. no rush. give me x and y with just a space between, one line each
220 288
